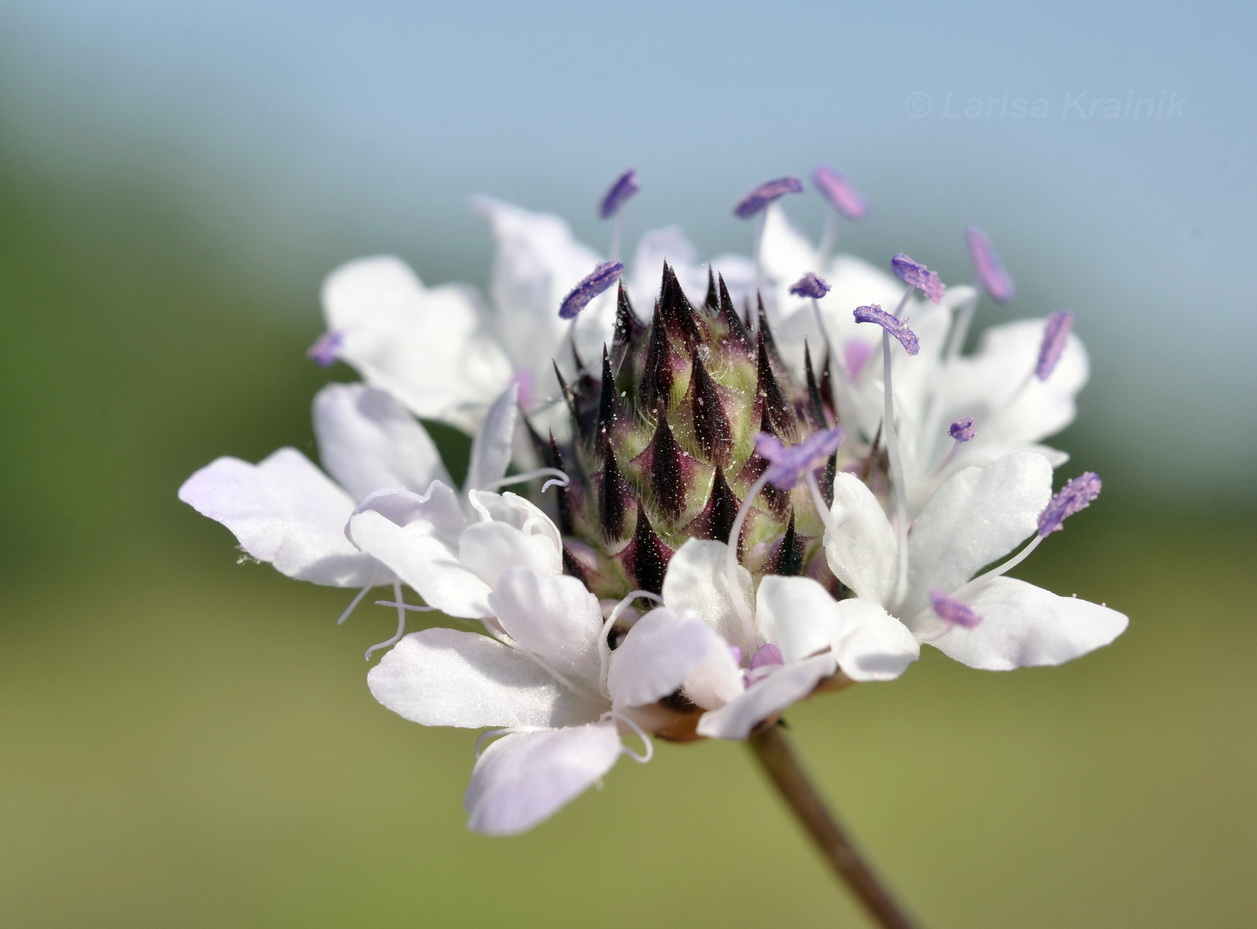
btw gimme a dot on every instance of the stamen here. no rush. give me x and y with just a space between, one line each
622 190
838 191
558 478
962 429
1055 338
756 202
401 624
649 753
892 324
809 285
326 349
353 603
953 611
731 557
915 274
787 465
991 274
766 193
907 338
593 284
1074 496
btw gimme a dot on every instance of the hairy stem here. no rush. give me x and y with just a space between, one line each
777 757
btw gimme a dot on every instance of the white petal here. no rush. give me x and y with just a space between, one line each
697 581
552 616
715 681
446 677
491 448
429 347
284 511
870 644
766 698
488 549
863 552
524 778
653 249
1025 626
796 614
659 653
417 537
979 515
368 441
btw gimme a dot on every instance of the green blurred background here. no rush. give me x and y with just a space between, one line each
189 742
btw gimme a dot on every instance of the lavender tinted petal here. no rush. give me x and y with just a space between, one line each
594 283
997 281
765 194
839 192
1055 337
891 323
918 275
1074 496
621 191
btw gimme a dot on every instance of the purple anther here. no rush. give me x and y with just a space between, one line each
1074 496
962 429
997 281
891 323
1055 337
594 283
787 465
918 275
809 285
621 191
765 194
953 611
326 349
844 198
767 655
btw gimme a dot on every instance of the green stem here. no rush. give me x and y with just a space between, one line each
779 761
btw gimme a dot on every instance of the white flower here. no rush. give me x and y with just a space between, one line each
795 637
977 517
545 676
286 512
446 353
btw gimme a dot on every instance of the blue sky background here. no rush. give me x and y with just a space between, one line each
305 134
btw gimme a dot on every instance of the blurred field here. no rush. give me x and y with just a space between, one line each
188 742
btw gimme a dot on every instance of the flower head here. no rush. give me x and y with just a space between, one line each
733 506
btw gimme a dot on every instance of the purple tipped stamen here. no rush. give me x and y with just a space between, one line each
787 464
842 196
917 275
326 348
991 273
953 611
766 193
621 192
1074 496
962 429
1055 338
891 323
593 284
809 285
